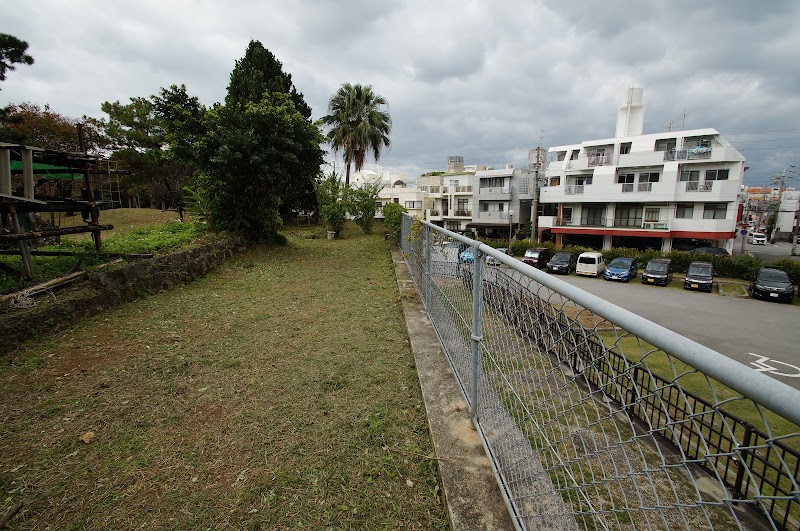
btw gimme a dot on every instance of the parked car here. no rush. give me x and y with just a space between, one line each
772 285
757 238
536 257
491 260
657 271
699 276
622 269
467 256
563 263
590 264
710 250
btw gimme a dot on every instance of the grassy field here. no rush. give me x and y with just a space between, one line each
277 392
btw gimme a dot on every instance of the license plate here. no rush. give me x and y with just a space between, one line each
650 280
695 286
773 294
614 276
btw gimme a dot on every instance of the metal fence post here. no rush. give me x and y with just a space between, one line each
477 328
427 266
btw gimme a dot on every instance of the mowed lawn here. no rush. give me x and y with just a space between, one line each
278 392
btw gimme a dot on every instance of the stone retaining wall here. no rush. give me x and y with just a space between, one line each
106 289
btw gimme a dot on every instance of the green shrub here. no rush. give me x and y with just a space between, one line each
792 267
393 219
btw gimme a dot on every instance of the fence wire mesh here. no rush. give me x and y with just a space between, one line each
588 425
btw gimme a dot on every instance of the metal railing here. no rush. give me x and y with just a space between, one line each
595 418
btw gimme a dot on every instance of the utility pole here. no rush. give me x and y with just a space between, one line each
536 164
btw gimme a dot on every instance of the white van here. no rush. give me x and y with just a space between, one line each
590 264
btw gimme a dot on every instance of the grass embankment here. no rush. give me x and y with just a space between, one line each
277 392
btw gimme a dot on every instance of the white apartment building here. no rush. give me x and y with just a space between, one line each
395 190
487 202
787 215
666 190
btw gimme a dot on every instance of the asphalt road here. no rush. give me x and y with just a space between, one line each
738 328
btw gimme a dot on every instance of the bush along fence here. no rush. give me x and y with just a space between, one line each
595 418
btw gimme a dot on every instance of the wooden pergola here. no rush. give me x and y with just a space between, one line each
85 166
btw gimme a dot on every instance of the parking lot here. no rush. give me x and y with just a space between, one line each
763 335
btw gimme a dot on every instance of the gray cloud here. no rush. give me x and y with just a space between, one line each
480 79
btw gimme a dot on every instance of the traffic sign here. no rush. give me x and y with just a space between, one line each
743 232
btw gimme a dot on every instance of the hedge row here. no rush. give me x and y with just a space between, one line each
741 267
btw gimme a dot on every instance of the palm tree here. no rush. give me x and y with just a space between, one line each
358 125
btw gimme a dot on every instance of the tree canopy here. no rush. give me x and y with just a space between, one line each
260 153
12 52
358 125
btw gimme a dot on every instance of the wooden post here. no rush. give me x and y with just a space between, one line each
5 171
24 250
27 173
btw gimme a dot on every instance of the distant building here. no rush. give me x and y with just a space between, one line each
663 191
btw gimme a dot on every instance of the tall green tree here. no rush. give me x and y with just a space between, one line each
12 52
257 73
358 123
261 152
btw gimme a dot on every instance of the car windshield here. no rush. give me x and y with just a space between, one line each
657 267
622 263
532 254
561 257
701 270
774 275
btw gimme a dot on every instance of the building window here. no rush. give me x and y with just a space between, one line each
684 211
628 216
413 204
690 176
501 207
696 142
574 155
665 144
626 180
566 214
463 204
378 204
555 181
716 175
649 177
453 225
397 200
651 215
484 206
492 182
624 148
583 179
593 216
715 210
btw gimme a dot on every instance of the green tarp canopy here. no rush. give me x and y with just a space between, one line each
48 170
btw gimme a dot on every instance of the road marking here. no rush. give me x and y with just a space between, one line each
762 364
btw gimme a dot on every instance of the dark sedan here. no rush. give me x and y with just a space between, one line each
561 263
699 276
772 285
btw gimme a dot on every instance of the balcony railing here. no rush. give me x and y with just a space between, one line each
616 223
695 153
574 189
599 160
435 213
435 189
463 213
463 189
696 186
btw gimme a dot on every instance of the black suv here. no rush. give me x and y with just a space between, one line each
658 271
699 276
772 285
561 263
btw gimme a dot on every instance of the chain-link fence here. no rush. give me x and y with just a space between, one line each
595 418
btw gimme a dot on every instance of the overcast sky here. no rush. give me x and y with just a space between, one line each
480 79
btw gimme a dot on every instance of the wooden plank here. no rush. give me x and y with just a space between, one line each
34 235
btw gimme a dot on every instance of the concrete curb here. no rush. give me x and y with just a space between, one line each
471 493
